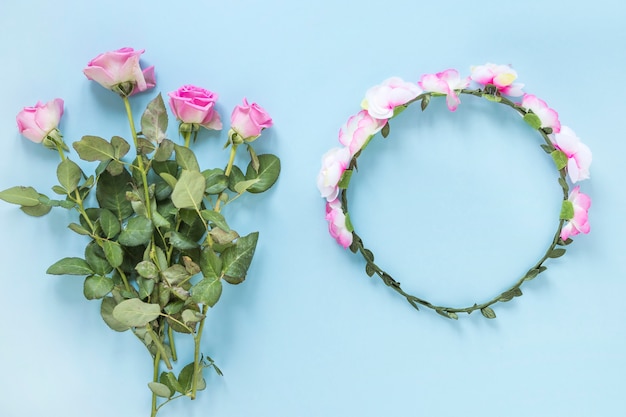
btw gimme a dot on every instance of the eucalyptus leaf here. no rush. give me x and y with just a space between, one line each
189 190
106 311
154 120
94 148
138 231
237 258
97 286
69 174
267 173
136 313
23 196
70 266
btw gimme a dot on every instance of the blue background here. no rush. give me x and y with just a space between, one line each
455 206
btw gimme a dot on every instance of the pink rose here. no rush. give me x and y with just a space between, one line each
578 154
501 76
36 123
549 117
249 120
580 222
446 82
381 100
119 71
358 129
334 164
337 223
196 106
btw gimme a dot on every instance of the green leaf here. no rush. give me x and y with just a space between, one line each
567 210
147 269
164 151
556 253
169 179
23 196
216 181
236 176
70 266
138 231
97 286
169 379
191 316
185 378
425 102
113 252
94 148
370 270
146 286
254 158
243 186
237 258
175 274
207 291
154 120
109 223
78 229
186 159
488 312
547 148
216 218
559 158
210 263
69 175
136 313
115 167
180 241
533 273
189 190
36 211
268 172
111 193
160 390
344 181
493 98
96 258
106 311
385 130
120 146
533 120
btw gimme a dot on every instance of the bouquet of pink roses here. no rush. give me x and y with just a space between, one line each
159 247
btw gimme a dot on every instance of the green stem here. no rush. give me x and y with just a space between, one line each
197 370
187 137
170 337
141 166
159 345
228 170
155 378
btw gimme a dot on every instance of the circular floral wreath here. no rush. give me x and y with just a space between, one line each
493 82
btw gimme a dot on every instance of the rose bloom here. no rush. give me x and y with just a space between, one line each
334 164
578 154
249 120
502 76
358 129
549 117
381 100
195 105
337 223
580 222
120 71
35 123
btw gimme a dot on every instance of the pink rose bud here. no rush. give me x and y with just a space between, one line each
248 120
38 122
120 72
194 107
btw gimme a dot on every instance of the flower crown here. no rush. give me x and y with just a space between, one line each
495 83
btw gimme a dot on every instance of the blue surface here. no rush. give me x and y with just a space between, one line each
455 207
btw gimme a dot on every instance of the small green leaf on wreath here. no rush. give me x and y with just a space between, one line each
385 130
70 266
559 158
547 148
425 102
567 210
160 390
533 120
344 181
557 253
370 269
488 312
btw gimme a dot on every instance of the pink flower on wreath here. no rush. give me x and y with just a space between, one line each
196 106
334 164
549 117
337 223
502 76
36 123
446 82
578 154
120 71
249 120
381 100
358 129
580 222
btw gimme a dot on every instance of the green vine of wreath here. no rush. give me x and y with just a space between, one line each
495 83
